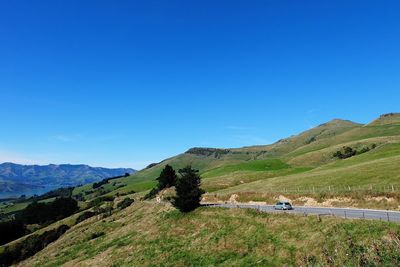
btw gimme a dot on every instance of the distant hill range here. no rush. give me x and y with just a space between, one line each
21 178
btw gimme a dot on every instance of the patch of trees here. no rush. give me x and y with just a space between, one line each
166 179
65 192
100 200
11 230
13 254
202 151
348 152
99 208
188 191
151 165
36 213
107 180
45 213
187 187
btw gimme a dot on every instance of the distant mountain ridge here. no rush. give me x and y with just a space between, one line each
16 177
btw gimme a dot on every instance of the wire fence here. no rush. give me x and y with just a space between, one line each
336 189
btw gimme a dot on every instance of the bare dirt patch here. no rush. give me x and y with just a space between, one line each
233 198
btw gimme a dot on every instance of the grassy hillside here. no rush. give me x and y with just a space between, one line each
302 163
147 234
301 168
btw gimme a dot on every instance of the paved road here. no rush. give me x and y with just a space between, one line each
392 216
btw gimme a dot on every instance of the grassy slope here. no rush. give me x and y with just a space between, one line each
241 165
156 235
299 162
377 173
146 234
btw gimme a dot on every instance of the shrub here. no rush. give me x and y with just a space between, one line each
153 192
125 203
96 235
100 200
84 216
347 152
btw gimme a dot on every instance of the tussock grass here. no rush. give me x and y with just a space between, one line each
146 234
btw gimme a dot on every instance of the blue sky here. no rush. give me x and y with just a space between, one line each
127 83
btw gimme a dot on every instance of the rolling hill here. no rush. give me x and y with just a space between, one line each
303 168
16 178
303 163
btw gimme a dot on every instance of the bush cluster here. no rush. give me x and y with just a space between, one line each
348 152
105 181
33 244
11 230
100 200
84 216
125 203
36 213
44 213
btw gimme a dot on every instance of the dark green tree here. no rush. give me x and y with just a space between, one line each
188 191
167 178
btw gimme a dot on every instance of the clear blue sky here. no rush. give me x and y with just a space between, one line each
127 83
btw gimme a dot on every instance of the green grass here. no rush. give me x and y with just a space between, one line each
371 174
146 234
11 208
242 177
254 165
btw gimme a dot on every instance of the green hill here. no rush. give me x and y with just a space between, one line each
302 165
339 163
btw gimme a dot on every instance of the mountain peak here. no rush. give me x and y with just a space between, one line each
339 122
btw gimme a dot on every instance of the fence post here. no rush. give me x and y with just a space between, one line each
392 188
363 215
345 215
387 213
